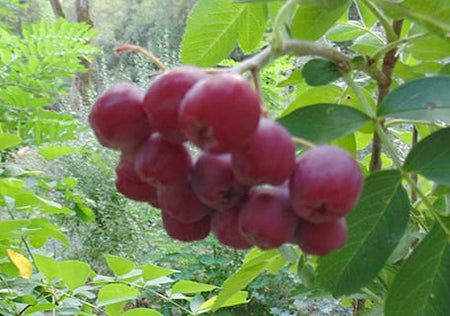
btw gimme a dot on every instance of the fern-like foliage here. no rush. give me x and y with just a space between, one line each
34 69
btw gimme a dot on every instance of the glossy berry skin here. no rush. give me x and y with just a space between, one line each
224 225
118 118
130 185
266 219
160 162
180 202
198 230
325 184
220 113
163 98
321 238
214 183
268 157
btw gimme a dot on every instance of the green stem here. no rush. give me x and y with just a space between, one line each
383 50
360 95
389 30
278 24
388 145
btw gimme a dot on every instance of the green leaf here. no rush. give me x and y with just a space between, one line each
344 32
322 94
119 265
211 32
310 22
426 99
429 48
432 14
9 140
237 282
238 298
252 25
49 267
53 152
115 293
430 157
321 123
318 72
374 229
151 272
422 285
189 287
74 273
141 312
43 307
366 44
7 226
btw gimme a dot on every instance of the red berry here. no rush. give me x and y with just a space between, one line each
268 157
130 185
162 163
180 202
325 184
266 219
220 113
321 238
224 225
186 231
214 183
163 98
117 117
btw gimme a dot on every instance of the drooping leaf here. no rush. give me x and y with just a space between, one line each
430 157
422 285
426 99
115 293
21 262
318 72
321 123
311 21
189 287
375 227
119 265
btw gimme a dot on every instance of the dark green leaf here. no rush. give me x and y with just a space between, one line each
430 157
426 99
375 228
321 123
319 72
422 285
311 21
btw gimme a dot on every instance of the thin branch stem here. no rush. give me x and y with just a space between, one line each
279 22
383 50
388 145
388 29
139 49
302 142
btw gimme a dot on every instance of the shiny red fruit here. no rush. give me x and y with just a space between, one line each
325 184
198 230
321 238
220 113
163 98
268 157
224 225
117 117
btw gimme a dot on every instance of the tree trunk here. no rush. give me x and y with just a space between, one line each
82 80
57 9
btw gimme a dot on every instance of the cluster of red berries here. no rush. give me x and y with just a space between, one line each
244 184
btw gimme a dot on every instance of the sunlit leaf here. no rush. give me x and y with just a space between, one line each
21 262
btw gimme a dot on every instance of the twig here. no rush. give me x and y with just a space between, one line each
139 49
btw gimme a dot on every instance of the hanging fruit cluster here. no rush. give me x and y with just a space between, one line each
244 183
